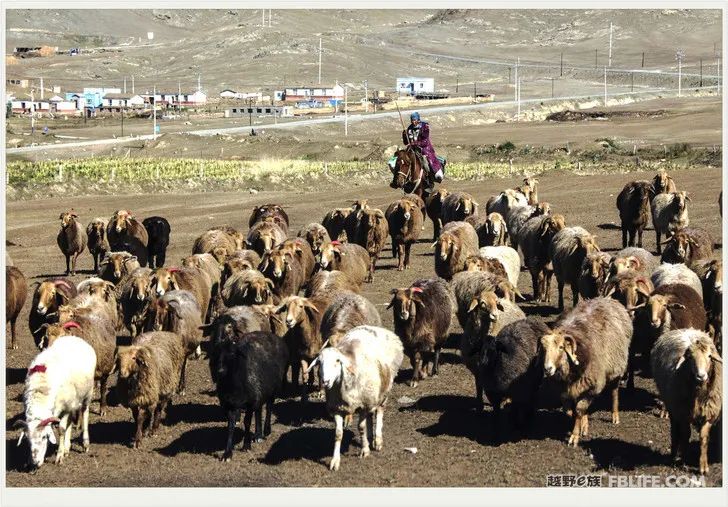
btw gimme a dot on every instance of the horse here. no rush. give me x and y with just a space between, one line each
408 173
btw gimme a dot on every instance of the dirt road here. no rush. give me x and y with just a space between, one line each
456 446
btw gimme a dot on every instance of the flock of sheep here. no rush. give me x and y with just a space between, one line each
238 297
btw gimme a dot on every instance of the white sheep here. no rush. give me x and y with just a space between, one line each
676 273
508 257
669 214
59 385
358 373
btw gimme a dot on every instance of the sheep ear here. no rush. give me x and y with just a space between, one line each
245 292
687 198
473 305
717 359
391 303
205 328
668 240
570 349
52 436
680 362
434 244
263 265
676 306
457 207
310 305
60 217
270 283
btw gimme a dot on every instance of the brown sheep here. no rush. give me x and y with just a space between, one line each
567 251
535 239
434 210
457 242
485 264
98 244
334 222
329 283
216 242
275 212
84 318
710 272
405 219
116 266
532 184
178 312
248 287
49 295
302 251
284 270
594 273
208 264
457 206
629 288
235 235
422 316
238 261
346 257
347 311
71 239
633 203
688 245
104 294
353 219
135 296
669 215
635 259
191 279
265 236
371 234
662 184
315 234
491 229
303 319
16 292
123 227
149 373
587 352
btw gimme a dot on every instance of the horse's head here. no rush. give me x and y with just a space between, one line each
401 172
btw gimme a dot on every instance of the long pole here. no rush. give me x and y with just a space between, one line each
515 80
122 122
32 112
610 44
320 51
263 18
518 99
605 86
270 18
701 72
632 75
366 96
679 77
552 88
346 111
561 73
154 111
596 58
132 83
643 59
179 94
41 89
404 129
124 84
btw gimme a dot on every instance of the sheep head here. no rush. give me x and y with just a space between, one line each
631 291
330 255
360 205
405 207
38 431
681 245
542 208
550 226
700 356
316 237
475 263
447 245
100 290
275 264
715 272
334 367
559 352
623 264
68 218
120 263
96 229
495 224
598 265
295 309
258 290
661 182
404 302
164 280
50 297
467 205
680 200
130 360
121 220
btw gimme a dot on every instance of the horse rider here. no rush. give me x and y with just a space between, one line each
418 135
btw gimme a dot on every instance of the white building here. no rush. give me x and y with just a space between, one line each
121 101
247 111
414 85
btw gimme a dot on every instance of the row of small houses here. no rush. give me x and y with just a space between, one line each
106 99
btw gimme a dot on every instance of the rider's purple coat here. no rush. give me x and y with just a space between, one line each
422 141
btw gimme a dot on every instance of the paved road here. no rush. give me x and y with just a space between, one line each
320 121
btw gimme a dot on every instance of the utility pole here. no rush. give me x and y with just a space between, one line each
270 18
366 97
562 65
632 75
679 54
263 18
605 86
154 111
32 112
643 59
199 82
346 111
596 58
701 73
122 122
552 88
320 51
250 110
518 99
132 83
610 44
124 84
475 91
179 94
457 80
41 89
515 91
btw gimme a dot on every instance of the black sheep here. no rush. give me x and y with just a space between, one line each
134 247
248 370
158 230
633 203
510 369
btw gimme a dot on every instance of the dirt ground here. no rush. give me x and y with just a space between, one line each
455 445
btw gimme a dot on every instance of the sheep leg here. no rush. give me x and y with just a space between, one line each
536 277
378 429
395 249
561 294
659 246
86 439
75 258
140 416
413 357
674 439
576 431
639 237
305 385
363 434
13 345
684 438
704 435
339 435
268 409
68 264
436 362
246 421
548 274
161 258
407 247
624 237
96 262
479 404
259 425
233 416
372 262
574 294
102 396
182 379
400 257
